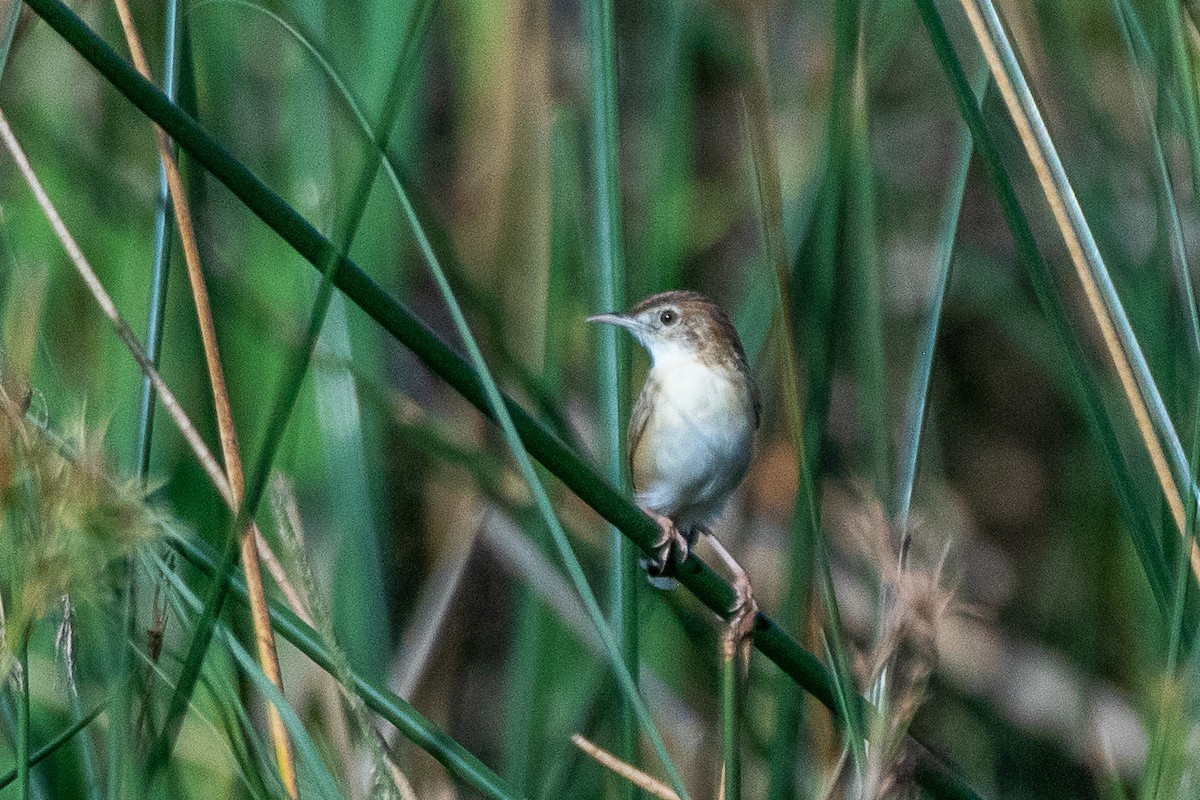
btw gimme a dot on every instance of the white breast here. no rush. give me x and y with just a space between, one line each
703 428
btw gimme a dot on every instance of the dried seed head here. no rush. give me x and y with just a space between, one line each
913 602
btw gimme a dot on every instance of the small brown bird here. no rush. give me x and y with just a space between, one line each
691 433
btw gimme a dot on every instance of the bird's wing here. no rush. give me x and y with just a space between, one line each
638 420
755 401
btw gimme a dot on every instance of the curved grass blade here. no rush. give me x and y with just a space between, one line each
1085 383
1141 391
500 412
292 377
461 763
939 279
439 238
626 681
54 744
306 751
408 329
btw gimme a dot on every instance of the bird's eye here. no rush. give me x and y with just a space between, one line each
668 317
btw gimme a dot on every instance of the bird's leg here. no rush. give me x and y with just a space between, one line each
670 539
744 609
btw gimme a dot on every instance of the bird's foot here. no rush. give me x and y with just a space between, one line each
671 539
740 630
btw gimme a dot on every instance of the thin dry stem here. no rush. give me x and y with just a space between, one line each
1095 302
280 576
104 300
264 635
645 782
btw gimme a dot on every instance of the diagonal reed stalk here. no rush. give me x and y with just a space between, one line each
647 783
1141 392
264 638
563 462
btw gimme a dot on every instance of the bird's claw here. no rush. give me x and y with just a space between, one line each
740 629
671 539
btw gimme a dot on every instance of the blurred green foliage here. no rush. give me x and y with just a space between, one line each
1055 674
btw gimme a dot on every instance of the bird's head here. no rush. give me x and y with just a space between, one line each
681 325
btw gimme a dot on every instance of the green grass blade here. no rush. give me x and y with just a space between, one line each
1147 386
1137 48
939 278
87 753
797 591
461 763
835 254
64 736
1127 18
9 32
1133 36
285 401
563 462
613 383
502 415
1085 384
120 727
730 728
625 584
861 262
306 751
1184 71
161 264
23 734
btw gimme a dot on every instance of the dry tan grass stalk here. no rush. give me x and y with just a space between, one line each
1096 304
104 300
264 635
646 783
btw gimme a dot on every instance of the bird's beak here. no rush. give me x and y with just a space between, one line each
616 319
